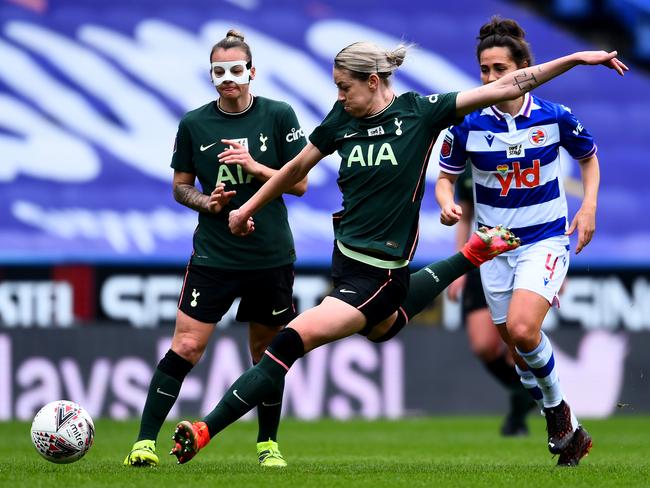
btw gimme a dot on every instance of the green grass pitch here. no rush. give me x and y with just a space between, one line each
436 451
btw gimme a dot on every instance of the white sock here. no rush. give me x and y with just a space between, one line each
541 363
530 383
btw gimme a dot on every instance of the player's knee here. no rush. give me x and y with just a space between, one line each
259 338
385 333
379 330
485 351
288 346
520 331
189 348
486 347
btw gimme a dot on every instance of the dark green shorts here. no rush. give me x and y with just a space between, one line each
266 294
375 292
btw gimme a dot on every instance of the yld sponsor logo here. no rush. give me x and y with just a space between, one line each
518 178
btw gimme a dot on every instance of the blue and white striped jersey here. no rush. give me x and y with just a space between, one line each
516 164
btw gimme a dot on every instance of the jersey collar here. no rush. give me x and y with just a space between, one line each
235 114
524 111
382 110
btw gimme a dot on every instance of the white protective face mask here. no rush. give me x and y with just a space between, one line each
242 78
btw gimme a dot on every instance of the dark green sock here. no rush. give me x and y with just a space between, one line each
430 281
261 382
268 415
163 391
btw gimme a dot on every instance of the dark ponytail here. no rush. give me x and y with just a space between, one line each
506 33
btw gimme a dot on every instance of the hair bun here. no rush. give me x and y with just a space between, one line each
501 27
235 33
397 55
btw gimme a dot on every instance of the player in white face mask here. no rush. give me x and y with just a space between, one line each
261 135
236 71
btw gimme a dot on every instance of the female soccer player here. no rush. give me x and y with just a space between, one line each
265 134
513 148
384 141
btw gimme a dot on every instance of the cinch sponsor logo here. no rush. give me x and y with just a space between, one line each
295 134
517 178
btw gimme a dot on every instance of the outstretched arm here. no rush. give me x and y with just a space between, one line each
515 84
284 179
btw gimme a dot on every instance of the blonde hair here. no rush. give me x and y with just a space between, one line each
364 58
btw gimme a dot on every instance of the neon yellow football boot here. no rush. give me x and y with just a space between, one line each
269 455
143 453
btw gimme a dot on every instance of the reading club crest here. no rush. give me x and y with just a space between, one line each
537 136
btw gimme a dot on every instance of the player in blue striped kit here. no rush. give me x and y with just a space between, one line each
513 148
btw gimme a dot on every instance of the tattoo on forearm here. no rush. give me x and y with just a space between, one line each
525 81
189 196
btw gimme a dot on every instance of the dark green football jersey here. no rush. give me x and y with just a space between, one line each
273 136
384 159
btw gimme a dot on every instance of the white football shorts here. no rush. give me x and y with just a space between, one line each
539 267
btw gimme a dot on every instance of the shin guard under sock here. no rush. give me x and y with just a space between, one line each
163 391
430 281
268 416
262 381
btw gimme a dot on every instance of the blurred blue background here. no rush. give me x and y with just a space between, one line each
91 93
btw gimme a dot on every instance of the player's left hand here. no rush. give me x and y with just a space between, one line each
605 58
238 154
585 222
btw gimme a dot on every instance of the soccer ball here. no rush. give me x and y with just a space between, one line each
62 432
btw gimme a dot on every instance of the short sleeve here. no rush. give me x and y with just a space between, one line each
182 157
293 136
452 151
439 110
324 136
574 137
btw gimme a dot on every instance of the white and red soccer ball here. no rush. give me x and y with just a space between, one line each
62 432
